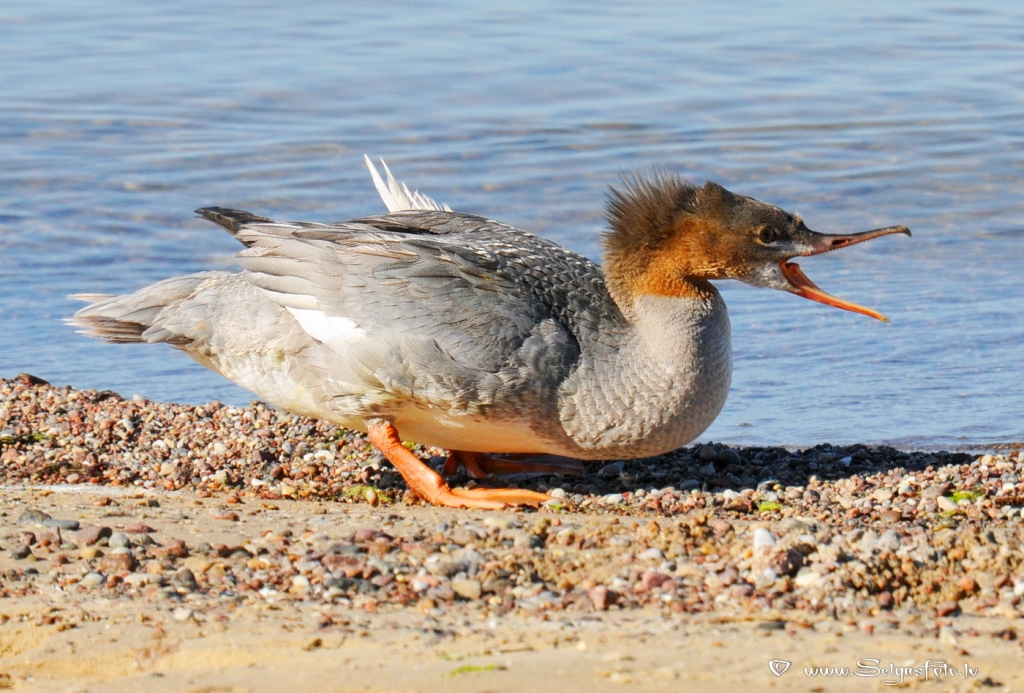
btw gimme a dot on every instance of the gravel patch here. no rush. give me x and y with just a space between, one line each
894 538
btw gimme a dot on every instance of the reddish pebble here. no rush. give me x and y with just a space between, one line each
885 599
117 563
233 499
29 379
721 527
138 528
652 578
967 584
946 608
890 516
90 534
175 548
600 597
231 517
364 535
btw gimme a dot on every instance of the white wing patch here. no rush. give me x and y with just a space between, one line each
397 196
331 330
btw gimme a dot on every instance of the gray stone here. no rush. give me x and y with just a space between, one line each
185 580
33 517
729 456
443 567
611 470
117 539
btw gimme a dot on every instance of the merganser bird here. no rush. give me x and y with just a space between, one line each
461 332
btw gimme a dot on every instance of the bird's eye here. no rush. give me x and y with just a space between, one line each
767 235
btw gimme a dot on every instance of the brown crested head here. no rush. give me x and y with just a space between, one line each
668 237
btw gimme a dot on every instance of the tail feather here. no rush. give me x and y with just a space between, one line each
136 317
232 219
396 196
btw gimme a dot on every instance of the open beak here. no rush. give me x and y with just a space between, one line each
819 243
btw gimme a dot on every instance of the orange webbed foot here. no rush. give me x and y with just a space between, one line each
428 484
479 465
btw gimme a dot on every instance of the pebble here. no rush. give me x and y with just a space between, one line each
33 517
117 563
808 578
198 564
763 539
119 540
652 578
185 580
90 534
467 589
93 580
612 470
601 597
729 456
300 585
137 580
138 528
947 504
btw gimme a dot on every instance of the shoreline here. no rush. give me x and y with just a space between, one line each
236 528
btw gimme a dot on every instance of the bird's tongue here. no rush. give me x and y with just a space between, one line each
802 286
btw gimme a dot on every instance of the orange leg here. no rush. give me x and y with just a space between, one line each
479 465
428 484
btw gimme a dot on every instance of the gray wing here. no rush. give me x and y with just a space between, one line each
438 306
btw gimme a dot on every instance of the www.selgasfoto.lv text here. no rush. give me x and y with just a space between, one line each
894 675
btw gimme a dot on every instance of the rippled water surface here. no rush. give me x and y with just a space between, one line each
118 119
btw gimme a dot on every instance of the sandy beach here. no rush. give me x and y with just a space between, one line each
163 547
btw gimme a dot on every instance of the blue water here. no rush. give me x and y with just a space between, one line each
117 119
